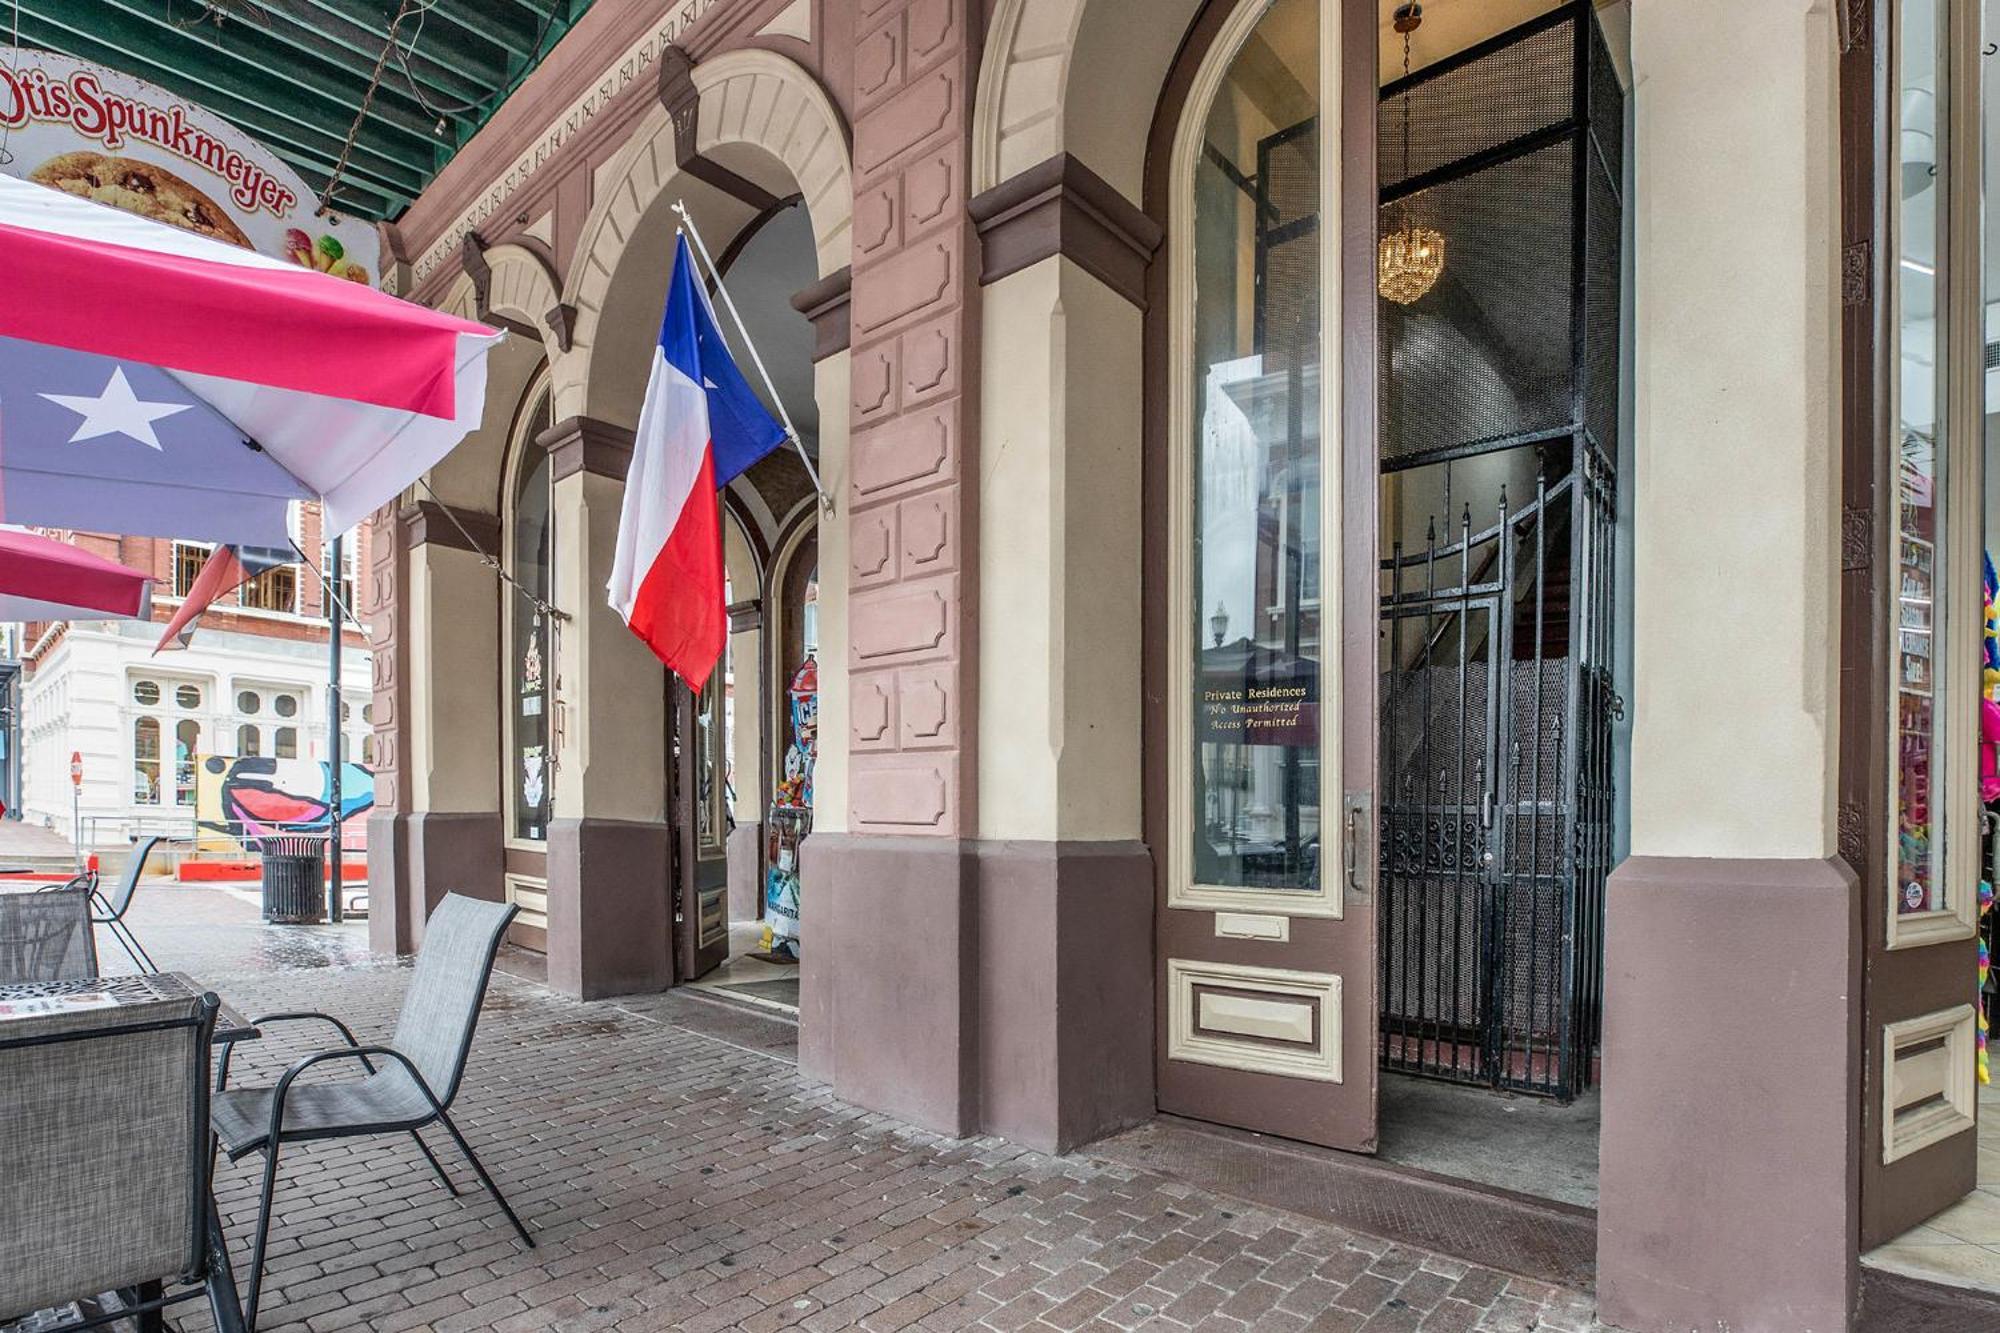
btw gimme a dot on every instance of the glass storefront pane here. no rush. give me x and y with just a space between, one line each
528 653
1257 466
1918 682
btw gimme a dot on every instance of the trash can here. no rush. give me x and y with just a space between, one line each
294 878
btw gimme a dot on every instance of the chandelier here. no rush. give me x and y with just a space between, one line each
1410 257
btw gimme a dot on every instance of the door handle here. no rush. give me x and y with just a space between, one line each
1352 836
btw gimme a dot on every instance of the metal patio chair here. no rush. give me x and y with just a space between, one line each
46 936
106 1183
112 906
423 1064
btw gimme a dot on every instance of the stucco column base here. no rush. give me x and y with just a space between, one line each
452 853
1731 1138
610 907
980 987
390 929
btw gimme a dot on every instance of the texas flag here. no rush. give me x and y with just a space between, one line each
699 427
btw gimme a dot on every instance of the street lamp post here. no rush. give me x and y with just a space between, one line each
335 611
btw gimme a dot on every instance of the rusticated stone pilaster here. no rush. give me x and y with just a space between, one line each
912 324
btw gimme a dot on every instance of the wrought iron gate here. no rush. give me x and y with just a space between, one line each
1497 701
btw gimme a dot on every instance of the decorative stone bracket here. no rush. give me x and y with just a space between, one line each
472 258
585 444
826 304
1059 206
683 103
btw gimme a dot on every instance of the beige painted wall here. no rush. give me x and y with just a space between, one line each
745 656
831 378
468 477
454 682
1737 485
611 691
1059 522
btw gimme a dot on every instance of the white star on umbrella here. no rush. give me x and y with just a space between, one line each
116 411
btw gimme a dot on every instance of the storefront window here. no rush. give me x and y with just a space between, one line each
1921 699
1255 460
530 556
187 743
146 761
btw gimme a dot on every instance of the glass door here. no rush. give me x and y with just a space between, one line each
1267 933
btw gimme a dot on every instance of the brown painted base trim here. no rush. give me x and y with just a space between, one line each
1034 964
1729 1166
610 908
431 854
1533 1238
1894 1303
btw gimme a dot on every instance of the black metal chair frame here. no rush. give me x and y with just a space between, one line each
128 887
277 1136
212 1275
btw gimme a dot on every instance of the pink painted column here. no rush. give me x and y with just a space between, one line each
890 971
910 501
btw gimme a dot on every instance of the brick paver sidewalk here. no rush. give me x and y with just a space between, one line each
675 1179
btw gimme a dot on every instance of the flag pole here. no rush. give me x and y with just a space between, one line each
791 431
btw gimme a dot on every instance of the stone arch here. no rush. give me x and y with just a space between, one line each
461 298
761 116
521 287
465 476
1081 77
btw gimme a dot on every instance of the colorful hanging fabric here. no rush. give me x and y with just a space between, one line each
1985 970
791 817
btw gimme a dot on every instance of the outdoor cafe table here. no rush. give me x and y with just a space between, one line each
230 1026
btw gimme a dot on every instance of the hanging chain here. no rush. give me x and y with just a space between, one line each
1407 18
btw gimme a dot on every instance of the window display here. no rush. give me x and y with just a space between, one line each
1256 462
531 554
1918 686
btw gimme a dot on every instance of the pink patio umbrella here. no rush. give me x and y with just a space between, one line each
160 383
44 579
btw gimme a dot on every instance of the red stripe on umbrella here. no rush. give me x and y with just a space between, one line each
44 579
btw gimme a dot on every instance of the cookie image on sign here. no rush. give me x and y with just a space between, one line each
139 187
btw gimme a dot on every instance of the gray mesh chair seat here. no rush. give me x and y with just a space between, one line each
397 1088
104 1185
374 1104
115 902
46 936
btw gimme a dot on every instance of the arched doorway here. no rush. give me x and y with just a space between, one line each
527 694
741 792
778 222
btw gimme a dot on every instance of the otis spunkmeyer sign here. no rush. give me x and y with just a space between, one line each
95 132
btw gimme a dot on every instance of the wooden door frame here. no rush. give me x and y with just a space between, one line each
1895 983
1357 463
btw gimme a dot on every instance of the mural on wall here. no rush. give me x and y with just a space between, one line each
238 801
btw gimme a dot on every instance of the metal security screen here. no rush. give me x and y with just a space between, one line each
1499 398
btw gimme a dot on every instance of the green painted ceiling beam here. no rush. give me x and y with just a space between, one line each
487 26
367 27
275 131
131 25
